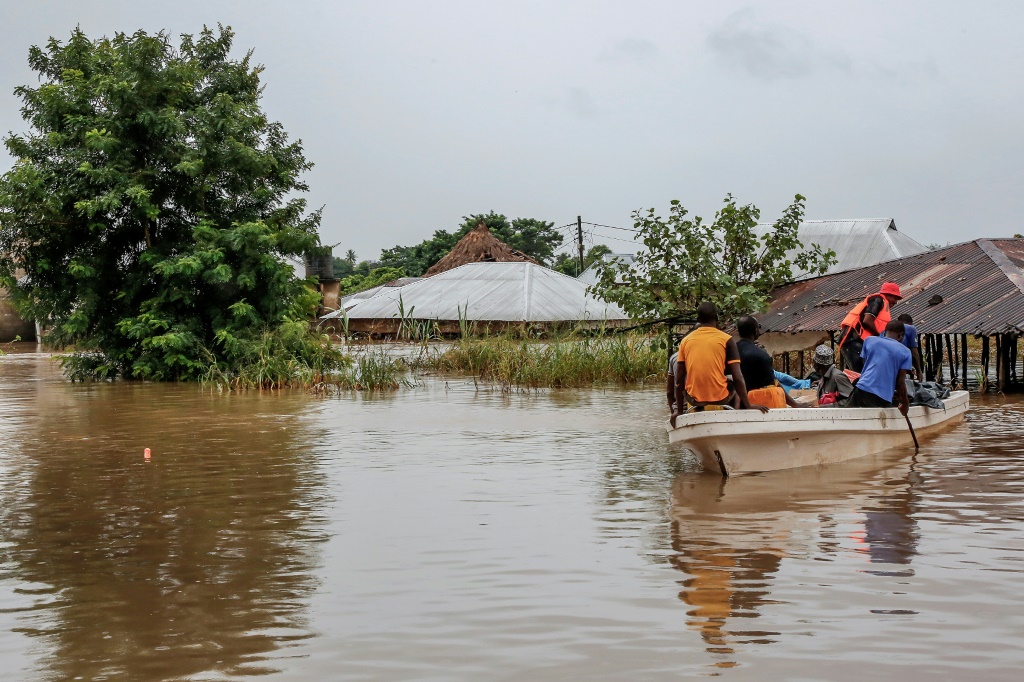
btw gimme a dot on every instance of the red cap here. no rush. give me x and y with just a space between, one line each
892 289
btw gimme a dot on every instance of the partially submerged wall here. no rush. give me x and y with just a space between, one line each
11 324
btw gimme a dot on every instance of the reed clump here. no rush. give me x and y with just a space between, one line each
293 357
573 361
374 371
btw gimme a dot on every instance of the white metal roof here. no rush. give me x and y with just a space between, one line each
506 292
589 276
350 300
857 243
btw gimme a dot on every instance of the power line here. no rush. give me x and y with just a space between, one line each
624 229
605 236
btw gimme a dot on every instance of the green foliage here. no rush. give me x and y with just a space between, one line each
152 205
569 361
345 265
357 282
536 238
569 264
686 261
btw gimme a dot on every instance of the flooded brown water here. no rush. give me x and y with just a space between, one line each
444 534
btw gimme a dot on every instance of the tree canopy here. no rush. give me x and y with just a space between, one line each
569 263
686 261
152 203
536 238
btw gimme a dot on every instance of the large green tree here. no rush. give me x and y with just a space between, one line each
152 203
685 261
536 238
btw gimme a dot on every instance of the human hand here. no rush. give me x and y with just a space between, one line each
762 408
904 408
672 419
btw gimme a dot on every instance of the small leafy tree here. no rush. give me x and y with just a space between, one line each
152 205
686 261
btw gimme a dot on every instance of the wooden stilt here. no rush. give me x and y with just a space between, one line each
953 383
1002 376
800 365
984 364
926 353
963 356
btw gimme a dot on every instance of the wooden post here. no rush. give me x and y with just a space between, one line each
926 353
952 363
966 374
984 365
800 361
1001 373
1013 359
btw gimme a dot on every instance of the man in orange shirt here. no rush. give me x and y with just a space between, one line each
705 355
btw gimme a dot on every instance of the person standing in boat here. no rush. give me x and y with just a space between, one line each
911 342
705 356
756 367
886 365
868 318
834 387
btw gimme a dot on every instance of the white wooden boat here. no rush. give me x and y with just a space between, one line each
736 442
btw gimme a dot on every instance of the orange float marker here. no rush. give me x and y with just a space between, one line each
146 454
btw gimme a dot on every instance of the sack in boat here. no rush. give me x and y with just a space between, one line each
927 393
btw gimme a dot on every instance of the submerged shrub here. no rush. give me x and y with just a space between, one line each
568 362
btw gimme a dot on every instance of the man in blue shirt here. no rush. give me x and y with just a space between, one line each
911 342
886 364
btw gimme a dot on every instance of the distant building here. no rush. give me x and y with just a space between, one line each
496 295
478 246
12 325
857 243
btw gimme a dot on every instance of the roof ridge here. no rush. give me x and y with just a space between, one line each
1002 261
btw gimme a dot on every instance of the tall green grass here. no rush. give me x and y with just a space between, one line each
569 362
293 357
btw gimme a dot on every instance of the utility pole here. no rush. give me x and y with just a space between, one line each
579 239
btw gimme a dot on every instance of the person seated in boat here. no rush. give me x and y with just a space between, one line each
868 318
911 342
886 365
834 387
705 356
756 367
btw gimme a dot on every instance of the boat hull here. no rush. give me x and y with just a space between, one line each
749 441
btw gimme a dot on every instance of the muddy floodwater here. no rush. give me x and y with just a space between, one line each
441 533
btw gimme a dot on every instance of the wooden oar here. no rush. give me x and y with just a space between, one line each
913 435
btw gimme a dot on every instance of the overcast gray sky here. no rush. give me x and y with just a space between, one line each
417 113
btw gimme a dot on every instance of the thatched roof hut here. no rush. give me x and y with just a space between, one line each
478 246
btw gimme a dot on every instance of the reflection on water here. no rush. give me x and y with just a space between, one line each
206 550
453 534
732 536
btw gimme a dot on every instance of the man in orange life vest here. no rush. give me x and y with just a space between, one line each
868 318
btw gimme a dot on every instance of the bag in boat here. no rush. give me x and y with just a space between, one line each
927 393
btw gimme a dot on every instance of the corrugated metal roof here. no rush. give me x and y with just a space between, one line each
960 289
857 243
483 292
347 302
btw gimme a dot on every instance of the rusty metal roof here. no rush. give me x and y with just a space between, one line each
972 288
